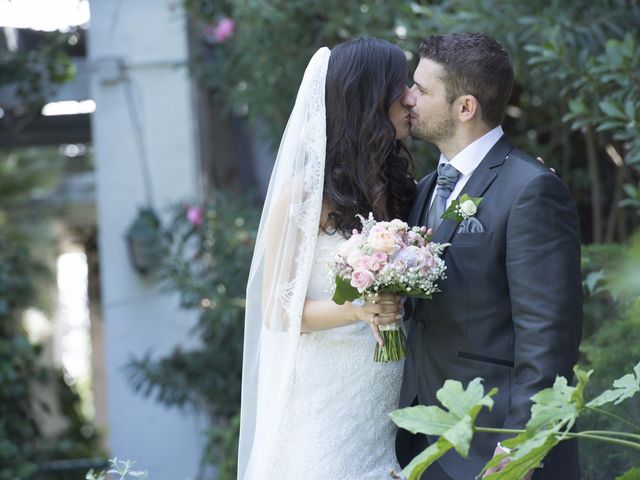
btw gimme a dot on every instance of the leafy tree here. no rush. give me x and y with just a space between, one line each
36 72
575 101
25 276
18 271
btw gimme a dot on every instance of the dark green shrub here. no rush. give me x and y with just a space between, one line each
611 345
207 258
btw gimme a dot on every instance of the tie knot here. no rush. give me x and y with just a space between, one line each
447 177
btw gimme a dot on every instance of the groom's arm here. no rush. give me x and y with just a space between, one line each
545 284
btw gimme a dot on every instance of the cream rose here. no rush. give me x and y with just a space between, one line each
398 226
468 208
382 240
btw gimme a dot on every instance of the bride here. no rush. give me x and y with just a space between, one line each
314 404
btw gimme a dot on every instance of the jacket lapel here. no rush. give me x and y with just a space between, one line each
480 181
422 200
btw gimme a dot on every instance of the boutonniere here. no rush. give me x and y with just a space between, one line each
462 208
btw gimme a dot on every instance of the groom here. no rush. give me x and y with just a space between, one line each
510 310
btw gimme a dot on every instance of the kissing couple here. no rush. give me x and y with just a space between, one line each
314 404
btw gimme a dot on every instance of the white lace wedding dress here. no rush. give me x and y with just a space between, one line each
314 406
337 425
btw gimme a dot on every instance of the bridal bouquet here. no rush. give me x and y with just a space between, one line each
388 257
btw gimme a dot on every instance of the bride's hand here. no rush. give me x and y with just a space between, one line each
380 309
541 160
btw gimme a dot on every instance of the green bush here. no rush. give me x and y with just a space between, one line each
222 448
599 264
206 261
614 348
611 345
18 430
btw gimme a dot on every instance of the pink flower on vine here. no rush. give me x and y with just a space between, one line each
194 215
219 32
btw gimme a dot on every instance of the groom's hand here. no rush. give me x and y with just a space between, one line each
503 463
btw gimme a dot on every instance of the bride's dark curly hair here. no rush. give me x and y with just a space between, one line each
367 169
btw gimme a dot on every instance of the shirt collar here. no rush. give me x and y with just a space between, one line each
468 159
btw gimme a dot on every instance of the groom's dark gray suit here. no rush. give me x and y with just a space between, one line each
510 309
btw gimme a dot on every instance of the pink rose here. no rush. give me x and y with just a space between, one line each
382 240
362 279
367 262
194 215
381 257
373 262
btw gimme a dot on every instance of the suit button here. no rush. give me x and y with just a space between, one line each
420 325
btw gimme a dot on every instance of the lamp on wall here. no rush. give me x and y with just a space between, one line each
143 236
143 241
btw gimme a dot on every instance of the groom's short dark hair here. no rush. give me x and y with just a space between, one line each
474 64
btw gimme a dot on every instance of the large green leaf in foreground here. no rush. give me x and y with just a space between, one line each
553 415
454 425
633 474
623 388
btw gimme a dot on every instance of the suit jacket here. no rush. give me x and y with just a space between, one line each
510 309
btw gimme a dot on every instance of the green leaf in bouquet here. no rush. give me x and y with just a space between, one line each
344 292
401 290
624 387
454 425
633 474
453 212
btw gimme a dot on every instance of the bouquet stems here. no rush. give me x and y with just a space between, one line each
395 345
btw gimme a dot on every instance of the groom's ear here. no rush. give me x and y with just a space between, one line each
467 107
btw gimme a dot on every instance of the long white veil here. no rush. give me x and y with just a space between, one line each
280 272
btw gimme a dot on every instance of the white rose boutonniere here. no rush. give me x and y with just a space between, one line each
462 208
468 208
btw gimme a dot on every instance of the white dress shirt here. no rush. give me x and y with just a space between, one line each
468 160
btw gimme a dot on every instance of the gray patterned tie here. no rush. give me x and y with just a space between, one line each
446 182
